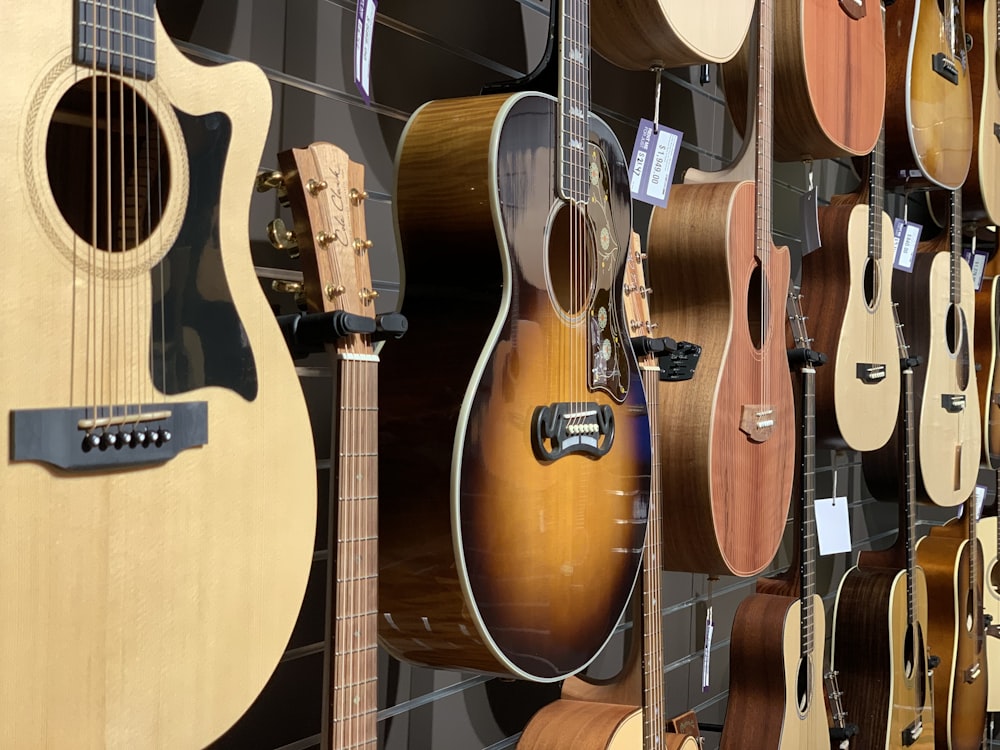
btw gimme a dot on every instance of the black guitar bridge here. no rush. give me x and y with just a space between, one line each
912 733
944 67
953 403
563 428
870 373
681 363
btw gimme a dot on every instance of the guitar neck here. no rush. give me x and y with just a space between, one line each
654 698
353 696
876 197
574 101
909 502
113 36
807 565
765 97
956 248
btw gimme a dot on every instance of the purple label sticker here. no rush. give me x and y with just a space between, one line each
654 159
977 262
905 236
364 25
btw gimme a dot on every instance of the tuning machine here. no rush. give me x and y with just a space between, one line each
282 238
272 179
296 288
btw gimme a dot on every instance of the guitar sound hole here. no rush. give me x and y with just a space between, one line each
908 653
757 307
118 206
970 617
571 254
994 577
870 283
956 335
802 687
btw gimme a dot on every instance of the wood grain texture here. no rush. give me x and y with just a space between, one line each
948 444
144 607
981 193
986 532
491 559
959 706
829 80
641 34
763 711
928 120
584 725
868 650
730 494
986 352
849 412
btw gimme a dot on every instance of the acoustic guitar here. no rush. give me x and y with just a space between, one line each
936 309
988 533
514 450
986 351
952 558
850 305
644 34
928 105
776 652
604 716
982 187
326 193
829 71
726 434
159 498
880 618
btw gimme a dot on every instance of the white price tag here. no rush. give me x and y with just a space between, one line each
906 236
707 658
833 526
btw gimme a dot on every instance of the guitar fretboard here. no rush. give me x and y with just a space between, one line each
116 36
764 120
956 251
574 101
909 489
876 197
808 529
353 696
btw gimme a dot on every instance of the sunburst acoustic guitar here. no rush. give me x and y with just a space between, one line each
626 713
726 434
514 451
159 497
829 72
981 193
776 653
928 106
879 647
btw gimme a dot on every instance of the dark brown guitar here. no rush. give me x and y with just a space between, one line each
728 433
880 619
986 353
514 451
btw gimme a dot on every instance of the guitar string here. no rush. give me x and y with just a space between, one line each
90 396
118 362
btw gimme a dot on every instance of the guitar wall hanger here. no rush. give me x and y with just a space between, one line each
309 333
680 363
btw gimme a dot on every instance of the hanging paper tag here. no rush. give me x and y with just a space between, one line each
809 210
654 159
980 500
977 261
364 25
833 527
905 236
707 657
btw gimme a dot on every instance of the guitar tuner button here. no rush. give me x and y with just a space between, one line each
316 186
362 245
358 195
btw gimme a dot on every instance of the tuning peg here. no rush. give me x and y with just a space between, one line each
332 292
324 238
282 238
640 256
629 288
290 287
316 186
368 295
362 245
646 291
272 180
357 196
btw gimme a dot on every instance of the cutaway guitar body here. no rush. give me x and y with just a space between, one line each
159 484
829 78
881 661
928 106
982 187
768 680
850 311
727 488
640 34
499 551
955 634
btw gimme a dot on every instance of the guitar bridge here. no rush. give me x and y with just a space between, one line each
944 67
870 373
972 673
757 421
912 733
560 429
953 403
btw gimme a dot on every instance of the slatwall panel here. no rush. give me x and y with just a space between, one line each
427 49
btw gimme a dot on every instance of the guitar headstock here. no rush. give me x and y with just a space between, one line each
797 320
636 292
326 192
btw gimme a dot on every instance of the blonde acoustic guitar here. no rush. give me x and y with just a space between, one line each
643 34
159 492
